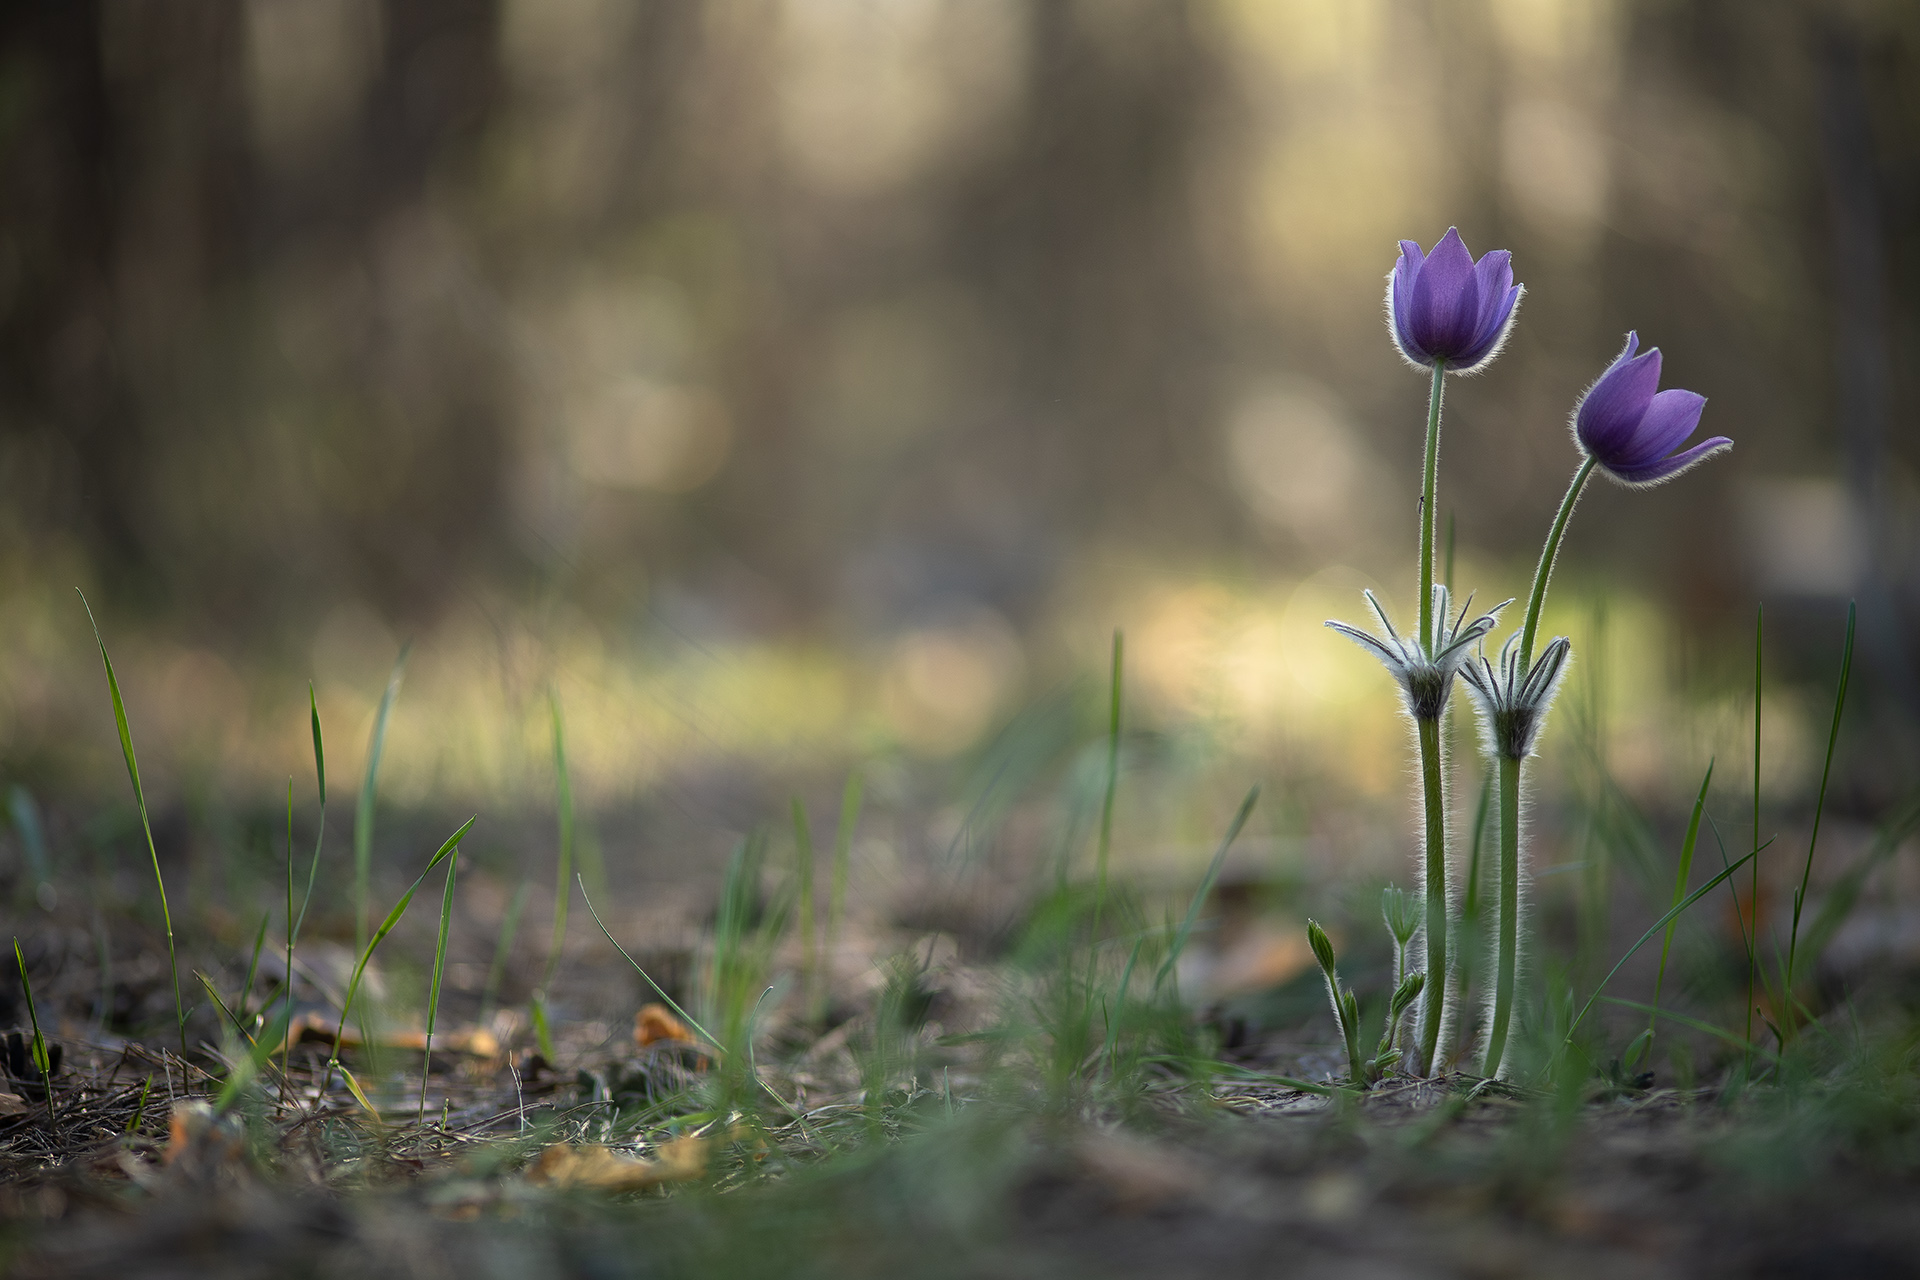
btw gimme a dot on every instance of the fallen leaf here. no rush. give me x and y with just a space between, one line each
12 1104
655 1023
201 1141
601 1169
316 1028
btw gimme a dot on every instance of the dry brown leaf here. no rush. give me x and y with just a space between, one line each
12 1104
317 1028
655 1023
601 1169
199 1139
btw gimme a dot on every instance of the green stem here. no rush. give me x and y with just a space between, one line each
1507 961
1434 398
1433 996
1545 570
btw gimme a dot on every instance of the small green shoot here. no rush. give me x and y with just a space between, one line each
42 1059
140 1108
146 825
1346 1010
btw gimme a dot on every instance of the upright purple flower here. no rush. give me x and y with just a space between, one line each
1630 428
1445 306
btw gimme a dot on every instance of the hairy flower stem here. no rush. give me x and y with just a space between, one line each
1434 398
1544 572
1506 959
1434 993
1507 962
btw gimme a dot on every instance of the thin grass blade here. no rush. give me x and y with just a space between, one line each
439 971
1206 886
146 825
369 791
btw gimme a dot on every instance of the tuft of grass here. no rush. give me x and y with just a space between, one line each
366 952
146 825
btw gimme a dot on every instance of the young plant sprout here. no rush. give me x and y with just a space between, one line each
1346 1010
1630 429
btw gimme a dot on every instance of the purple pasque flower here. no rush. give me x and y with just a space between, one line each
1631 428
1445 306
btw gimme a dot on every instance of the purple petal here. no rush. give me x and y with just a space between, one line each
1493 333
1494 275
1446 299
1609 415
1397 293
1667 468
1669 420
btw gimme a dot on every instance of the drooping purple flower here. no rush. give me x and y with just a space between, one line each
1445 306
1631 428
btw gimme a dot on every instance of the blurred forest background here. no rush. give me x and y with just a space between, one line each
791 383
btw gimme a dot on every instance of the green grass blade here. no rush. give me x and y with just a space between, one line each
659 990
320 835
1470 903
803 890
1720 1033
257 1057
1655 927
253 965
369 791
439 971
502 950
1820 804
1753 892
1120 1003
563 804
850 800
1113 783
287 990
1206 886
319 747
42 1060
1680 884
146 825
